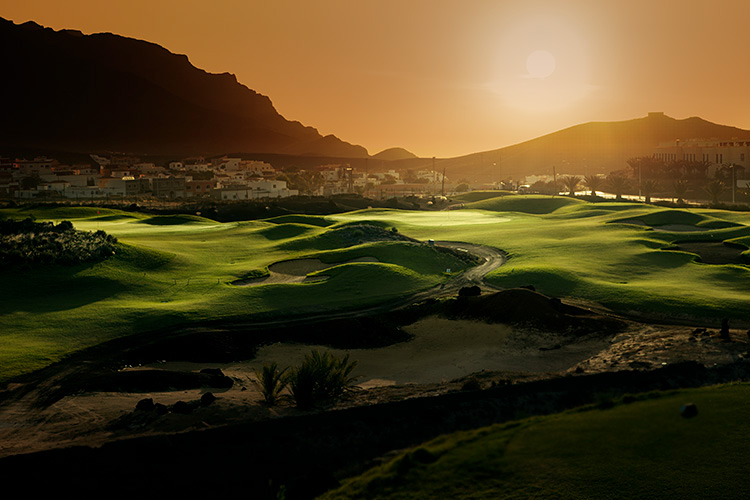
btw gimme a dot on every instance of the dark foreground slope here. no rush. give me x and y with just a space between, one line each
308 454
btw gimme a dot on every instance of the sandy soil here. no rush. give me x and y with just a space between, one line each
714 252
433 362
296 271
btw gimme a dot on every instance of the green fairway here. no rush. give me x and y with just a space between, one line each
640 450
172 270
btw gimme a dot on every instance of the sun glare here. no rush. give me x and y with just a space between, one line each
540 64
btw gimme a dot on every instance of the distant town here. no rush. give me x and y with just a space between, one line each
692 162
225 178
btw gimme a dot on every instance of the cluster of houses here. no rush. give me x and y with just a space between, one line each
112 177
127 177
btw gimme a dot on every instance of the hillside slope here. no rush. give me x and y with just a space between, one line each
106 92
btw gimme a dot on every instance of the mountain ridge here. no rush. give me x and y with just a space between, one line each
587 148
136 91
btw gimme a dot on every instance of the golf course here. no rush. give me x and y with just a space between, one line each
464 313
173 270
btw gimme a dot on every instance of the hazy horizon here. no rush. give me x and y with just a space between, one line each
442 79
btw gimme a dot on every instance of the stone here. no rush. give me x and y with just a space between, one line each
207 399
216 372
181 407
145 405
689 410
470 291
724 332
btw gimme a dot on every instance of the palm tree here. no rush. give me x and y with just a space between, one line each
617 184
571 183
680 190
648 187
593 182
714 189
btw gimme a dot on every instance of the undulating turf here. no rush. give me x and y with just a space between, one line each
174 269
171 270
641 450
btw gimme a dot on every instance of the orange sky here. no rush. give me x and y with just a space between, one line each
446 78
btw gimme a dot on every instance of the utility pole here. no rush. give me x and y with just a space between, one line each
639 178
554 180
442 190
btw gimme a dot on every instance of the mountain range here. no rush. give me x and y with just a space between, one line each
66 91
104 92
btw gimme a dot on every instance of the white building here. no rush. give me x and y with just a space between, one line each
716 152
254 190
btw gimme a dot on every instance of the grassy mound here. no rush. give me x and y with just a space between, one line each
345 236
640 450
473 196
310 220
679 218
284 231
525 204
171 220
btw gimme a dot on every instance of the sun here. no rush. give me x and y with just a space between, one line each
540 64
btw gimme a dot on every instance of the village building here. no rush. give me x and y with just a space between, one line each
254 190
199 188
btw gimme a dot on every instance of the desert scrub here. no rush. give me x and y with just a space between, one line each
27 243
270 381
321 378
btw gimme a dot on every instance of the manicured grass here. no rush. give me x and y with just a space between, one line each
640 450
566 247
171 270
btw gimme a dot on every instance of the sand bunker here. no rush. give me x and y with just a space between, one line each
444 349
669 228
296 271
714 252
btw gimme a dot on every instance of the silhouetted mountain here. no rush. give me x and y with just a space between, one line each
66 90
392 154
596 147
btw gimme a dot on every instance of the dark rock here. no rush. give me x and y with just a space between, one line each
724 332
470 291
222 382
471 384
689 410
213 371
207 399
579 369
161 409
145 405
182 407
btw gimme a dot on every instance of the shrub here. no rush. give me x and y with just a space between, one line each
321 378
27 243
270 381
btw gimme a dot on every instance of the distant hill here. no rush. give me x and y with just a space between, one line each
393 154
68 91
596 147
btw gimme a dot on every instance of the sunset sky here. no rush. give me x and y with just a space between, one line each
446 78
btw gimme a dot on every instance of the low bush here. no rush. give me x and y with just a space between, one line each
26 243
270 382
321 378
